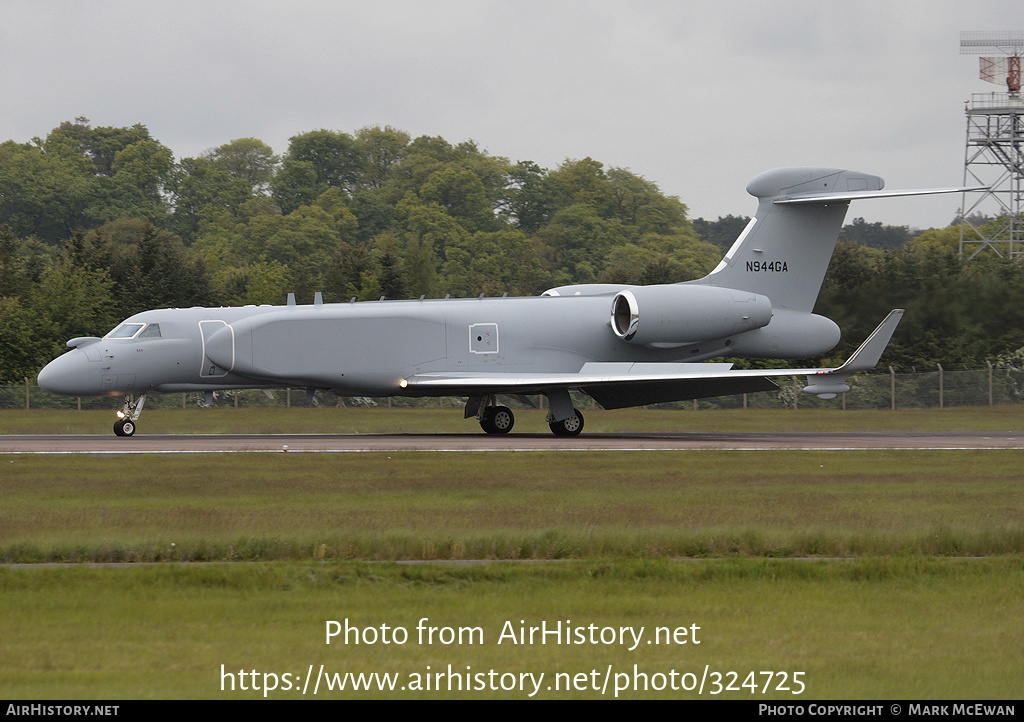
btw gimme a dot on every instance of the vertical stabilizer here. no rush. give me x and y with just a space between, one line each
784 251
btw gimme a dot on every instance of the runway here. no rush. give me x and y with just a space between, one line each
366 443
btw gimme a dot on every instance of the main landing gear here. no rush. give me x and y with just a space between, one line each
493 419
497 419
571 426
563 419
127 416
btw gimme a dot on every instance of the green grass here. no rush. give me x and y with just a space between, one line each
904 615
449 420
510 505
890 629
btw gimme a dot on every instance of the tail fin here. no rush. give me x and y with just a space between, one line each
784 251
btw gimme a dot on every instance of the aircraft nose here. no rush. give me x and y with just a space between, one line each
70 375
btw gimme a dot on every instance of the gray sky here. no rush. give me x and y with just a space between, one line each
698 97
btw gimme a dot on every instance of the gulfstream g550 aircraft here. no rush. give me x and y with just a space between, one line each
622 345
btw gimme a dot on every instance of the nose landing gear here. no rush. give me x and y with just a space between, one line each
126 417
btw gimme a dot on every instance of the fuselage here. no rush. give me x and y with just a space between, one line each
369 348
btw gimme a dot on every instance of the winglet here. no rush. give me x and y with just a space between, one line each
826 384
866 357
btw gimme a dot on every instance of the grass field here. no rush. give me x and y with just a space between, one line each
885 629
926 601
510 505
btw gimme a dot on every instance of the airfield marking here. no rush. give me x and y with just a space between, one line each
456 443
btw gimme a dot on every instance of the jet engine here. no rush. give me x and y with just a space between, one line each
671 315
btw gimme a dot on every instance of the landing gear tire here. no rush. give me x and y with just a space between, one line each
125 425
497 420
571 426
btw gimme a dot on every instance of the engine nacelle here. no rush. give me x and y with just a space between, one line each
672 315
791 334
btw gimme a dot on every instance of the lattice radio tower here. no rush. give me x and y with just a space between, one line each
993 155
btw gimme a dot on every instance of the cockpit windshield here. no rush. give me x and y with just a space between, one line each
125 330
132 330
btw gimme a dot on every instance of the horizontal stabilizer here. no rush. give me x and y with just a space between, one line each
846 196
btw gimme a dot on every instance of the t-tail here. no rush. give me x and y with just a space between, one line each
784 251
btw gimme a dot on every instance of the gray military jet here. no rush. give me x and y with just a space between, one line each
621 345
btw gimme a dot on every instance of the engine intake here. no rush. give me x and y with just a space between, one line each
677 314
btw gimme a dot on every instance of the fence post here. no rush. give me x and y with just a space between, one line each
941 387
892 388
989 363
288 397
27 404
796 393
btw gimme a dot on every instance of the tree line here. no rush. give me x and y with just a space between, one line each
98 223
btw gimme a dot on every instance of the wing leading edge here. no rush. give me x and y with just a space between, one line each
621 385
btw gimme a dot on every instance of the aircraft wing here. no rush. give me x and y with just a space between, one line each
613 385
620 385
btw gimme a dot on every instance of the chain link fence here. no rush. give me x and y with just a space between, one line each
886 390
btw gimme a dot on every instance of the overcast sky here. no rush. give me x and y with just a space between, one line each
698 97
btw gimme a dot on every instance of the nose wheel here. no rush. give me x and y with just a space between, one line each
124 427
129 413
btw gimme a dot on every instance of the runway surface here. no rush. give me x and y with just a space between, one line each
355 443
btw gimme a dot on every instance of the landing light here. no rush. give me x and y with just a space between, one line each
120 414
403 383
